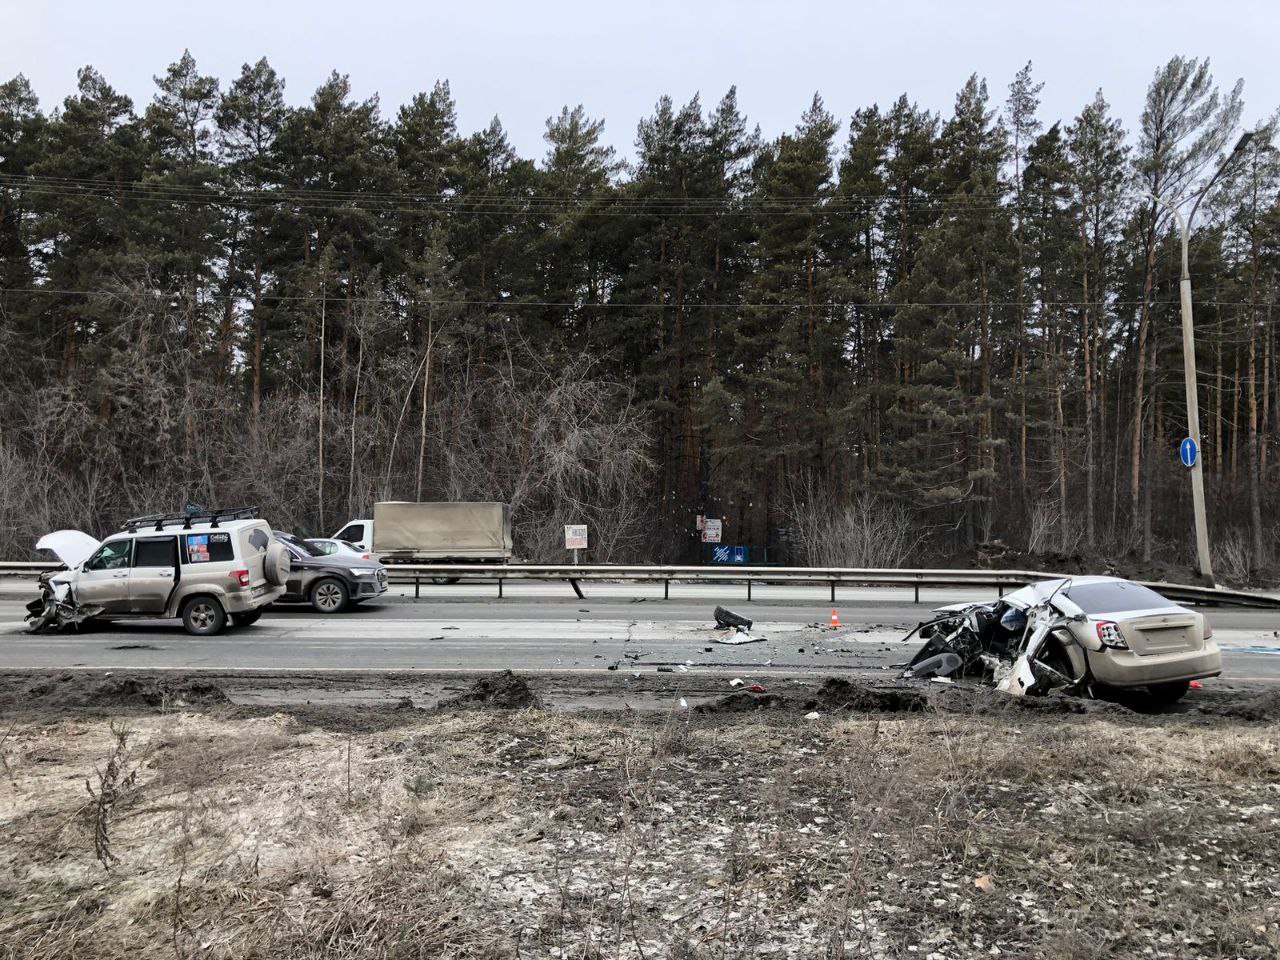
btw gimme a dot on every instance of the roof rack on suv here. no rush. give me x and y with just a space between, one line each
211 517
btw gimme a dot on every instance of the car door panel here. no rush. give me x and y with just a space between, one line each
154 573
104 579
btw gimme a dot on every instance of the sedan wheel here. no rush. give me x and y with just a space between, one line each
329 596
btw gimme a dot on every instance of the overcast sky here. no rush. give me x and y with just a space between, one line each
524 60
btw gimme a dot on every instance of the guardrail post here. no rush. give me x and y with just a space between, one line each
1000 590
917 600
499 588
417 586
833 591
748 590
666 589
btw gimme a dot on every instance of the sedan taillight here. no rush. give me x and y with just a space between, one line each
1110 636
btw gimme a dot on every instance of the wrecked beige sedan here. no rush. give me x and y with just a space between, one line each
1071 635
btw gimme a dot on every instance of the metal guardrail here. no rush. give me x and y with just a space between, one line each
416 574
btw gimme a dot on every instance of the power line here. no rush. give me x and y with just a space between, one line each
516 205
614 304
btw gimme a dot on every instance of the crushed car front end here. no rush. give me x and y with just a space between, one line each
56 608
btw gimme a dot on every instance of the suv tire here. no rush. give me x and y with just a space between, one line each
203 616
329 595
276 564
246 619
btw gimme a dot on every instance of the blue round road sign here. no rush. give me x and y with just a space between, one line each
1188 452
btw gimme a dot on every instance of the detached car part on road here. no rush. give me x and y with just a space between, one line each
207 568
330 583
1070 635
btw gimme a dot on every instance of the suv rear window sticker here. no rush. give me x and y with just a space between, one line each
206 547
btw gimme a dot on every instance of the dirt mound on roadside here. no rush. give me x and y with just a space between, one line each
71 690
1264 706
497 691
983 701
741 702
840 694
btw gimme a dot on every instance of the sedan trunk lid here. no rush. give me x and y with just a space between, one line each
1157 633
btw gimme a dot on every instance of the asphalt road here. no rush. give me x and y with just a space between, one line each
544 627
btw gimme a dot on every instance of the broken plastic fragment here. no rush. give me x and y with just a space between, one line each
738 637
939 665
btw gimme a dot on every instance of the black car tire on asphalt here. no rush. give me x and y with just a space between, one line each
1168 693
246 619
203 616
329 595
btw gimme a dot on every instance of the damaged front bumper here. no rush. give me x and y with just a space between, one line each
970 642
56 608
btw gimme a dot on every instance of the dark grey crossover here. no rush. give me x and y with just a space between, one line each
330 583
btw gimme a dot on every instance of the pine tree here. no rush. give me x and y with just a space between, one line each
250 116
1096 172
1185 125
86 228
945 337
797 339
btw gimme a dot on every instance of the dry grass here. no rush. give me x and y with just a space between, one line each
542 835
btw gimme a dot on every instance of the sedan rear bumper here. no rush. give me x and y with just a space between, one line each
1124 668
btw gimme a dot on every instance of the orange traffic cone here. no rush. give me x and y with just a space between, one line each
835 619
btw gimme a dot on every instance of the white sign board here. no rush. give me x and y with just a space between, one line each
575 536
711 531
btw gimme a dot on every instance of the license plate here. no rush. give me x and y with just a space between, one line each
259 591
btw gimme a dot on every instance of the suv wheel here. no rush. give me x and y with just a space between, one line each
246 619
329 596
203 616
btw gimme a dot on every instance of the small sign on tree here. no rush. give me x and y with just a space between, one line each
575 536
711 531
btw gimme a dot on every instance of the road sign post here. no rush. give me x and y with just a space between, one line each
575 539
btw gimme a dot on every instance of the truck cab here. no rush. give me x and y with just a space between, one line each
358 533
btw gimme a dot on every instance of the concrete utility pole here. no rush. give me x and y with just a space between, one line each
1189 358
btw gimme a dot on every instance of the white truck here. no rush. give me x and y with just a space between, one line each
407 532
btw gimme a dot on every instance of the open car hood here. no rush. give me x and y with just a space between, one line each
72 547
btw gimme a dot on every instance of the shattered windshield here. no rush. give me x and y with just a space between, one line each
1116 596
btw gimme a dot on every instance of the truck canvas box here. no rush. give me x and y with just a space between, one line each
407 532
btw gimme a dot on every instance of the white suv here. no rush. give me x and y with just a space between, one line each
205 568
